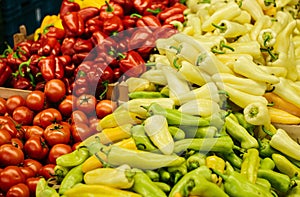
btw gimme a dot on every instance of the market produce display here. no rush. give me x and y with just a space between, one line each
208 82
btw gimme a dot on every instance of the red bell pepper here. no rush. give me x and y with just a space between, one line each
49 46
132 64
165 31
171 11
23 48
68 6
67 64
5 72
59 70
19 82
129 21
141 5
148 21
54 32
92 25
176 17
35 47
112 25
83 45
98 37
88 13
73 24
47 66
127 5
67 46
80 86
111 9
78 58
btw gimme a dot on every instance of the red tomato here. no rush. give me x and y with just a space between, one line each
55 90
75 145
86 103
67 105
35 100
105 107
23 115
13 102
33 130
5 137
7 124
79 117
18 190
36 148
16 142
27 171
10 155
93 123
10 176
31 183
80 131
58 150
33 164
36 119
50 116
2 106
57 134
47 171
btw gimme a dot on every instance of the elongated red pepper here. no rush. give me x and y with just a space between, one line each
132 64
5 72
141 5
111 9
73 24
68 6
113 24
59 70
47 66
12 59
88 13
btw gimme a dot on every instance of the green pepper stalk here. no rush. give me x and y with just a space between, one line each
196 160
141 139
116 156
250 164
230 29
220 49
177 172
235 184
145 186
265 149
239 133
74 176
42 189
153 175
156 127
223 144
164 175
267 38
190 180
60 172
233 159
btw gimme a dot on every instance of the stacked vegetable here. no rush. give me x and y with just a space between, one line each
200 121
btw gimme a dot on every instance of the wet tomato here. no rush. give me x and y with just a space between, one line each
67 105
5 137
49 116
16 142
79 117
27 171
55 90
47 171
58 150
36 147
10 176
31 183
33 164
33 130
2 106
35 100
10 155
57 134
23 115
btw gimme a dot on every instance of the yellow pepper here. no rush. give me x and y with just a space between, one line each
91 163
216 163
253 8
282 117
90 3
48 20
128 143
250 164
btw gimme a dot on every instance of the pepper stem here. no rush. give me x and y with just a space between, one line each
26 63
267 131
136 15
156 11
223 45
105 84
175 64
222 27
223 176
200 59
178 49
109 7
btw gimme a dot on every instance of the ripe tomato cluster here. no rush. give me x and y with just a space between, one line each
39 128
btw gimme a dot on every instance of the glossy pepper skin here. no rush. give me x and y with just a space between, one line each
141 5
111 9
88 13
73 24
73 177
132 64
5 72
51 68
52 31
74 158
112 24
68 6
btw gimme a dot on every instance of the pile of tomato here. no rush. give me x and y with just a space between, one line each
37 129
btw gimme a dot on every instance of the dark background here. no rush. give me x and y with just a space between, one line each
30 13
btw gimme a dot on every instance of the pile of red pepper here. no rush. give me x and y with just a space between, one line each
96 47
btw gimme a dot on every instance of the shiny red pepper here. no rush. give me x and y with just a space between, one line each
73 24
129 21
68 6
98 37
171 11
83 45
88 13
23 48
78 58
141 5
112 25
47 66
176 17
127 5
150 21
92 25
59 70
67 46
54 32
111 9
5 72
132 64
20 82
49 46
